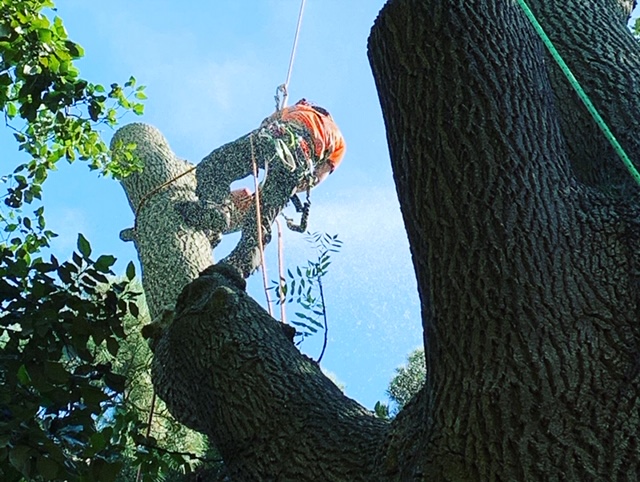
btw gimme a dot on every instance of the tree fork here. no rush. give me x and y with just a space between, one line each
224 366
525 275
604 56
528 281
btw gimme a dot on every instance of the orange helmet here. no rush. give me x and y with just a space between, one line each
327 139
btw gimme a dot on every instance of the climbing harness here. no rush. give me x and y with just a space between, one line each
281 102
288 144
580 91
282 94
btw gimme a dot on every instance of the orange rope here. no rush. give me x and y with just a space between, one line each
259 225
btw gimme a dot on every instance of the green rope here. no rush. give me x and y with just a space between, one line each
581 93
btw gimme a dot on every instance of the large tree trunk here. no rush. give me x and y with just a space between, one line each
527 277
524 232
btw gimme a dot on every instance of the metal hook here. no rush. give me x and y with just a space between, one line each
282 88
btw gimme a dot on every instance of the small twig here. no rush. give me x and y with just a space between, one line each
324 316
151 409
191 455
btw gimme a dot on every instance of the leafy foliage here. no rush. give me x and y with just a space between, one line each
407 381
51 109
304 287
63 414
381 410
75 390
170 448
53 391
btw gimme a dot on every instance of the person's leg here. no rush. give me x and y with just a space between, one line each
214 175
279 186
226 164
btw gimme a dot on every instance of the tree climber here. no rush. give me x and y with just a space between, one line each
298 147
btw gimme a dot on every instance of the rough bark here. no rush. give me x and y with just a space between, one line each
171 253
527 277
595 42
524 232
226 369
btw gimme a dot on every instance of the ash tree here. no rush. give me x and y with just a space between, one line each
524 233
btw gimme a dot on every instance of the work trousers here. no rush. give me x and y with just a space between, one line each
233 161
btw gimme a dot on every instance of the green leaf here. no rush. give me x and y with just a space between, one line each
115 382
75 50
55 372
59 28
131 271
20 457
133 309
76 259
45 35
113 346
104 263
304 325
93 396
47 468
104 471
23 376
12 111
83 246
98 441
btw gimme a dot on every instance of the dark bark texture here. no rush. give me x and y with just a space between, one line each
524 232
227 369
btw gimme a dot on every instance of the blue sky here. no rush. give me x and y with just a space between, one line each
211 70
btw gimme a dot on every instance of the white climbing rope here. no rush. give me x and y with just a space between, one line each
284 88
280 104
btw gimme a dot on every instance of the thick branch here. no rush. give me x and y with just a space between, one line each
226 368
171 253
